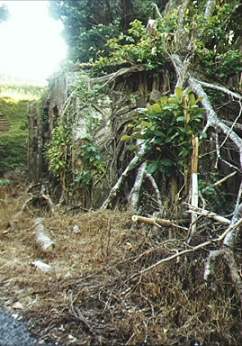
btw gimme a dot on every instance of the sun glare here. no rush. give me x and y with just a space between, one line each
31 43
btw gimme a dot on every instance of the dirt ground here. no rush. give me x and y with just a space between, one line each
94 294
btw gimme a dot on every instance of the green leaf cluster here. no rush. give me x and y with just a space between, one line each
139 46
57 150
93 165
167 127
89 24
216 40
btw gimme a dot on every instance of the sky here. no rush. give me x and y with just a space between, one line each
31 43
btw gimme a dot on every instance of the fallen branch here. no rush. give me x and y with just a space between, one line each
190 250
208 214
44 267
156 221
43 240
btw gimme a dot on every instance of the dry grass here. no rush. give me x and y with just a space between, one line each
91 299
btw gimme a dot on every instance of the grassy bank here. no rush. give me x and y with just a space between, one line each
14 101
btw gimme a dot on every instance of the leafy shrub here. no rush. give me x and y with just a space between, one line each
167 127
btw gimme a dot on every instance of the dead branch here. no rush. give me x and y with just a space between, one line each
156 221
218 87
208 214
229 123
156 189
43 240
212 117
133 163
190 250
233 125
44 267
221 181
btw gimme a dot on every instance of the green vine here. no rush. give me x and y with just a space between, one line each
91 164
57 150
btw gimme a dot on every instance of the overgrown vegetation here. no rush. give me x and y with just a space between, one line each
154 126
13 142
89 24
72 155
167 129
14 101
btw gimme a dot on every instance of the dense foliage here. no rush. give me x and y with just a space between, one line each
100 30
214 44
167 128
89 24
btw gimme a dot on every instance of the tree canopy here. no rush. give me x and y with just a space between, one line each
90 23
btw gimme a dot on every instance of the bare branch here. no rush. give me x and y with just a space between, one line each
221 181
157 222
212 117
156 189
157 10
121 72
210 7
133 163
209 214
220 88
190 250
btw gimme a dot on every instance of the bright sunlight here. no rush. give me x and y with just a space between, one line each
32 47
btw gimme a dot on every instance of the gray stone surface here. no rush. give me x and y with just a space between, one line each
14 332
